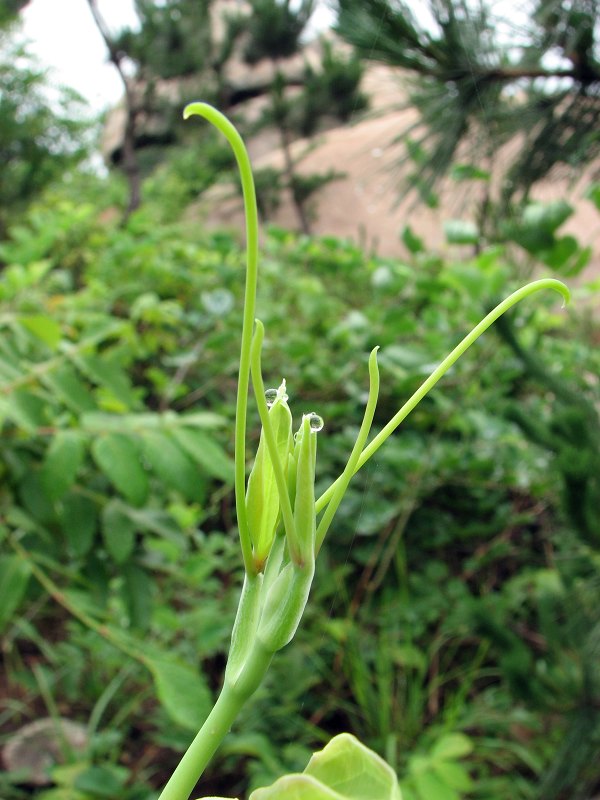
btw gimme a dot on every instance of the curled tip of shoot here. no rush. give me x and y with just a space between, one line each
548 283
236 142
195 109
565 293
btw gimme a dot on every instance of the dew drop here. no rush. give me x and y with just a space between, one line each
270 397
315 422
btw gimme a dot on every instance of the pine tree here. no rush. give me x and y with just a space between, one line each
477 79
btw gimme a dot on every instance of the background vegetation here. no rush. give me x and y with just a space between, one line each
454 627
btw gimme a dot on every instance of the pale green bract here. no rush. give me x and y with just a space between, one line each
282 526
262 497
344 770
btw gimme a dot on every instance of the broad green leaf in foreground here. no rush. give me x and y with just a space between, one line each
344 770
299 787
353 770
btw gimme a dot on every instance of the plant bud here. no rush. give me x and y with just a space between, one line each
262 496
305 456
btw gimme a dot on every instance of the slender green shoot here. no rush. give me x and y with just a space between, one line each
251 213
441 369
363 434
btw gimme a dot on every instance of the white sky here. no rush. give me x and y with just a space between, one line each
71 47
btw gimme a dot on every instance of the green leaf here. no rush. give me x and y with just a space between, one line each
201 419
580 262
182 691
546 217
409 657
118 531
78 516
157 521
102 781
562 251
63 459
344 770
111 377
298 787
14 577
207 453
451 746
460 231
44 328
27 410
117 457
593 193
68 386
137 594
468 172
172 465
34 499
412 242
62 793
429 787
353 770
453 774
105 422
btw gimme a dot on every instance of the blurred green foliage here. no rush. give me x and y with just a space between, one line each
39 140
454 624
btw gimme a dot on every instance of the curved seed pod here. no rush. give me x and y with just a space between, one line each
305 454
262 497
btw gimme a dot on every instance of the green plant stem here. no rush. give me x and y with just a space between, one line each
341 484
218 723
441 369
251 212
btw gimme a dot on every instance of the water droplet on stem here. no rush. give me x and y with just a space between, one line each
270 397
315 422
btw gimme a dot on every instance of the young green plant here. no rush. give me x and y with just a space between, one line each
281 524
